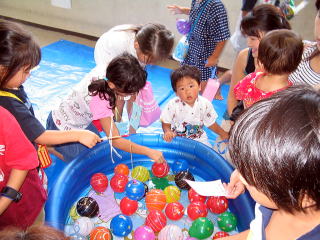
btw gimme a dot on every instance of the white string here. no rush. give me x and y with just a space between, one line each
112 149
131 159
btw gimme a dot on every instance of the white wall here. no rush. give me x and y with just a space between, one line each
94 17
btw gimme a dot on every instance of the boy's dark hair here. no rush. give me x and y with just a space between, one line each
263 18
126 73
275 145
18 49
37 232
280 51
184 71
155 40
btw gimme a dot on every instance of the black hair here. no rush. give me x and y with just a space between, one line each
263 18
155 40
126 73
275 145
18 49
280 51
184 71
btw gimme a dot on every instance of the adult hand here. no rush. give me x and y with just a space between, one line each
156 155
235 187
168 136
175 9
88 138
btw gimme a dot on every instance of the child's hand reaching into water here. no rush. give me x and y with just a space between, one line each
88 138
155 155
168 136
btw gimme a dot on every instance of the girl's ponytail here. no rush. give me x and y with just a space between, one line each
102 88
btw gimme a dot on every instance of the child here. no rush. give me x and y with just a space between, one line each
18 175
186 114
275 146
149 43
38 232
94 101
279 54
19 53
209 36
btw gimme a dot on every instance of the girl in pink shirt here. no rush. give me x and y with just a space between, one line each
279 54
91 105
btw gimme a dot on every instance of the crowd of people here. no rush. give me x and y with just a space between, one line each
273 104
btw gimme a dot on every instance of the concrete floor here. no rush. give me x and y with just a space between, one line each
303 23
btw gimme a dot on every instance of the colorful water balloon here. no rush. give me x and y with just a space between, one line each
201 228
121 225
99 182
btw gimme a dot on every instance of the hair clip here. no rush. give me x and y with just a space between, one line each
106 79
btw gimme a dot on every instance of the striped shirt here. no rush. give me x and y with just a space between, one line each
304 74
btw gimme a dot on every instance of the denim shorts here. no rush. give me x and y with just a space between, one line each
69 150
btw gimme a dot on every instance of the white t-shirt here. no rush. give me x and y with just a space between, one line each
113 43
74 112
187 121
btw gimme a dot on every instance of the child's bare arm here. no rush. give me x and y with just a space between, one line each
54 137
15 181
168 135
218 130
127 145
214 57
239 236
175 9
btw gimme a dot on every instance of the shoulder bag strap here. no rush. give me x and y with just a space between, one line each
197 19
9 94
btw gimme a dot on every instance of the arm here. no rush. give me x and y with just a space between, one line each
127 145
237 75
168 134
53 137
214 57
15 181
175 9
239 236
218 130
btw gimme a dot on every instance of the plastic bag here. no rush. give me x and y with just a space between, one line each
150 109
181 50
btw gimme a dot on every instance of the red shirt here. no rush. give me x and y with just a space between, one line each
247 91
17 152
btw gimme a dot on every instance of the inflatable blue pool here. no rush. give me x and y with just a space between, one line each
203 162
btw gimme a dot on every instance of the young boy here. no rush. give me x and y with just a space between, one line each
186 114
275 146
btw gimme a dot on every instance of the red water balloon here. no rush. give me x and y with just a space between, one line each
118 182
99 182
128 206
220 235
196 210
156 220
160 169
217 205
174 211
195 197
